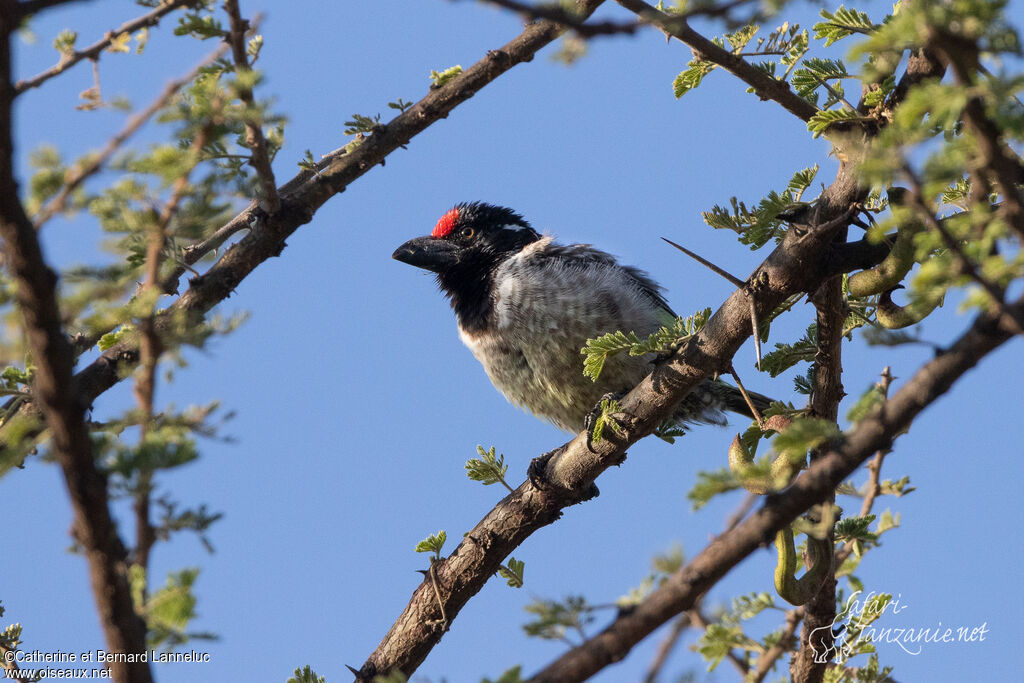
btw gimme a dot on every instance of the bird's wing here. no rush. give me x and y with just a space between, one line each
588 256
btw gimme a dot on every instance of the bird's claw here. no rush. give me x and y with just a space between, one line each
537 471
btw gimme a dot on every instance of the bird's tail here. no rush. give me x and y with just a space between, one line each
733 401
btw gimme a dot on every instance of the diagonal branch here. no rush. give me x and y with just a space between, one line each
93 51
571 472
766 87
36 286
874 433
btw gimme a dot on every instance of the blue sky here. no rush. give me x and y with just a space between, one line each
357 406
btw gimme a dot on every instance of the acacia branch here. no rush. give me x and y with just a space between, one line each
579 25
786 642
874 433
301 197
254 138
80 174
961 56
53 392
766 87
820 610
967 267
572 471
93 52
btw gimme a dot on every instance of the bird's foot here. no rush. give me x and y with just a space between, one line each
537 471
600 416
537 474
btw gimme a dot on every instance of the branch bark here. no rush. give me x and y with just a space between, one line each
820 610
254 138
53 392
874 433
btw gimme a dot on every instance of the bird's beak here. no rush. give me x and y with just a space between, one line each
430 253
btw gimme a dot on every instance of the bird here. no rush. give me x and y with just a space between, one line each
526 306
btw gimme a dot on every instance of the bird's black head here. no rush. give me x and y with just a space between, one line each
466 246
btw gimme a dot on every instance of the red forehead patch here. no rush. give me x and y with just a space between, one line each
446 224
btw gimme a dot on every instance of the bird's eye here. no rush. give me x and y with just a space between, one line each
467 233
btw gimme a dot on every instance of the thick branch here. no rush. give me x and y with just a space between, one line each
573 470
93 51
36 295
766 87
874 433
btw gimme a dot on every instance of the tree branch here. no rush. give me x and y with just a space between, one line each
93 51
874 433
53 391
254 139
820 610
787 640
579 25
766 87
80 174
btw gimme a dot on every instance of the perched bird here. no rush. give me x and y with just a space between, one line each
526 306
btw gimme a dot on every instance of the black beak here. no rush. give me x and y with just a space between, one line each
430 253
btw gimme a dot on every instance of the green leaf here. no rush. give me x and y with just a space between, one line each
804 434
606 419
513 675
710 484
64 43
489 469
598 351
786 356
432 543
439 78
691 78
868 401
361 124
305 675
512 572
842 23
821 121
554 618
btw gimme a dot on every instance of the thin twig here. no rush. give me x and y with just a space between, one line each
151 347
666 647
746 397
766 87
700 621
68 60
967 267
79 174
735 281
873 487
254 138
787 639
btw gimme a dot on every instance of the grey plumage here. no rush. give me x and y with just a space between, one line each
526 306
